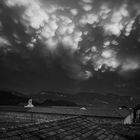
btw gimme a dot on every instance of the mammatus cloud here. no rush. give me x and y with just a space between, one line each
89 19
108 60
4 44
55 27
79 74
117 21
87 7
130 65
87 1
74 12
51 28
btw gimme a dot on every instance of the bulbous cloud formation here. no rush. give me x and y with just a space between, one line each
89 32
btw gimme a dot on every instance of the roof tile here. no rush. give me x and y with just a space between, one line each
75 128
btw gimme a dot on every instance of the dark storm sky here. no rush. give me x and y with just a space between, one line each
72 46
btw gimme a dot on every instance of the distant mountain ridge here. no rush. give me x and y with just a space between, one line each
86 98
11 97
8 97
54 98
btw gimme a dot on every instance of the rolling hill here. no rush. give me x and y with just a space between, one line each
8 97
85 98
52 98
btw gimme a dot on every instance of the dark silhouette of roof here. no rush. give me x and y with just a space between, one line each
137 107
73 128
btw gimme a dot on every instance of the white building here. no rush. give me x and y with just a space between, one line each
29 103
134 116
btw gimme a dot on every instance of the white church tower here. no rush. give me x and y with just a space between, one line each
30 104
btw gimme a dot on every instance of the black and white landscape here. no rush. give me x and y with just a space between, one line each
69 61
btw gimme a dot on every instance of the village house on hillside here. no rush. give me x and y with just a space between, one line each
134 116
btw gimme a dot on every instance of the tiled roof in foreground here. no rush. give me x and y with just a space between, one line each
73 128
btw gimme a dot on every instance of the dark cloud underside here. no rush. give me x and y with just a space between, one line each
70 45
